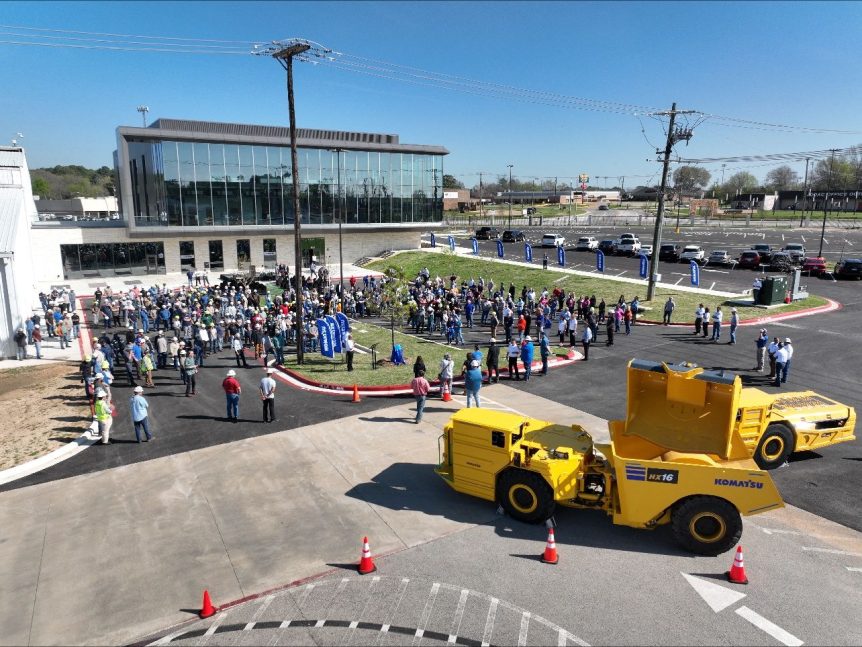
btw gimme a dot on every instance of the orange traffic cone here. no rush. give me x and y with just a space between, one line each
207 609
356 394
736 574
447 397
550 554
366 564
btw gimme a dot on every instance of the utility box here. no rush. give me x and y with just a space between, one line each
773 291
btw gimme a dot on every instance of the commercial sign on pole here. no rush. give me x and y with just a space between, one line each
695 273
600 261
343 323
528 252
644 264
475 246
452 243
335 331
324 336
500 248
561 256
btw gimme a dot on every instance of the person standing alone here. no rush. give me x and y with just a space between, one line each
267 396
669 305
350 348
140 410
232 391
761 342
420 388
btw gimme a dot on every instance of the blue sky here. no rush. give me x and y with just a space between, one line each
794 63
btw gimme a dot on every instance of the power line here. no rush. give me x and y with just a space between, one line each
775 157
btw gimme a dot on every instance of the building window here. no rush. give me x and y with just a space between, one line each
243 252
187 255
112 259
216 255
269 255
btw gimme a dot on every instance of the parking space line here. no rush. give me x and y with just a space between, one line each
426 612
459 615
854 569
525 625
831 551
402 589
368 596
259 612
771 628
304 595
489 623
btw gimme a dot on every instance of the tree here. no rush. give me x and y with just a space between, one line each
451 182
395 298
742 182
842 173
689 179
41 187
782 178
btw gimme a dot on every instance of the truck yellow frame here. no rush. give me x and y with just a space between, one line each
678 458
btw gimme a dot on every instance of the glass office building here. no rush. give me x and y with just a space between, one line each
193 174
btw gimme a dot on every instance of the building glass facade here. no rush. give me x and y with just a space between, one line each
197 184
112 259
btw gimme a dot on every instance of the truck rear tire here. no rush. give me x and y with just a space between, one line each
525 496
774 447
706 525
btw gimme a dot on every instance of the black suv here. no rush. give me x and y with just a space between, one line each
487 233
513 236
669 252
608 247
849 268
764 250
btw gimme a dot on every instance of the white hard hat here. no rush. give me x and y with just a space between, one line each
231 373
787 340
139 389
270 371
100 393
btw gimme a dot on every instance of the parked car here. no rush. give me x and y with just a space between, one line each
603 207
669 252
628 244
693 253
587 244
646 250
814 265
796 251
781 262
487 233
513 236
719 257
748 260
849 268
764 250
608 246
553 240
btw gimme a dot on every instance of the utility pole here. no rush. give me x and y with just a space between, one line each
826 199
622 180
510 195
338 152
804 192
674 135
143 110
284 52
481 213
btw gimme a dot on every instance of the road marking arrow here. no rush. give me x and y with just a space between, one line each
771 628
716 596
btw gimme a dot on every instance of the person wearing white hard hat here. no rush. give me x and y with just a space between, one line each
788 347
267 395
103 415
232 391
140 411
781 356
734 322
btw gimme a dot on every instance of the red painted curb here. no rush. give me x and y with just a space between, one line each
829 307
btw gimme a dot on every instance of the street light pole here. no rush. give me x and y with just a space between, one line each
510 195
143 110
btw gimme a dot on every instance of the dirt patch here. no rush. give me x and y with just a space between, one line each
43 408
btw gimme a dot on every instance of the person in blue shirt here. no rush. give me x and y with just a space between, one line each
473 380
527 350
139 408
544 352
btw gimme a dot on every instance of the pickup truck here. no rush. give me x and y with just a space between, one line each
628 244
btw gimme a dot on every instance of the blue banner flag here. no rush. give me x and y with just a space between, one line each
695 273
500 248
343 323
561 256
452 243
335 331
324 336
600 261
433 240
528 252
643 266
475 246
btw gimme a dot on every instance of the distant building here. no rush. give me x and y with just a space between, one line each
843 200
761 201
78 209
17 281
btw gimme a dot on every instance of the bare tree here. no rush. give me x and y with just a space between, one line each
782 178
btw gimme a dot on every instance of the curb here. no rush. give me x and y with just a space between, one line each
299 380
831 306
89 437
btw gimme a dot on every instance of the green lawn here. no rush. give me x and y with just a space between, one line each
465 267
334 371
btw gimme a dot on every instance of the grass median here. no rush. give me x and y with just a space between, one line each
465 267
334 371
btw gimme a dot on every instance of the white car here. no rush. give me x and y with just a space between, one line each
719 257
693 253
553 240
628 244
646 250
587 244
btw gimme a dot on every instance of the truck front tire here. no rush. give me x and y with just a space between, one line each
525 496
775 446
706 525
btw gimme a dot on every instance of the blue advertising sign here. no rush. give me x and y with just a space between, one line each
475 246
324 336
695 273
500 248
600 261
528 252
561 256
433 240
335 331
643 266
452 243
343 323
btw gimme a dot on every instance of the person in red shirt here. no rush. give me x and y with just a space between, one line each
232 390
420 388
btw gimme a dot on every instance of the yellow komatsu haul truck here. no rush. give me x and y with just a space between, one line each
679 457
